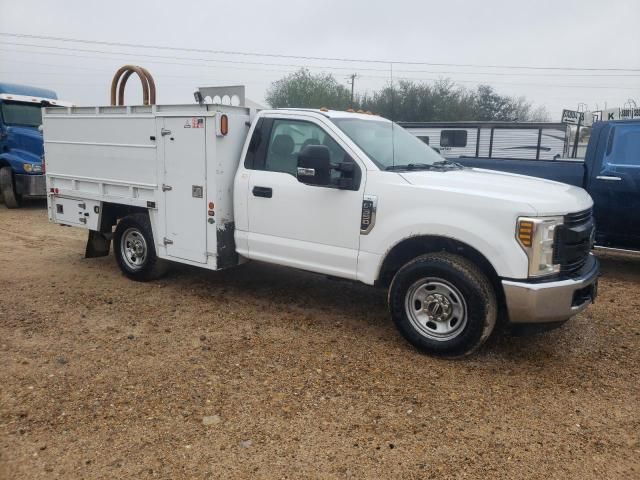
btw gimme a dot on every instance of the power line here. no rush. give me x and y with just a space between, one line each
169 57
149 61
550 85
306 57
359 75
330 67
243 62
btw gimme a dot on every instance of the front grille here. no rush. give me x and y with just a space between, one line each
573 241
578 218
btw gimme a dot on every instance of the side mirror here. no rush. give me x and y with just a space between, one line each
314 165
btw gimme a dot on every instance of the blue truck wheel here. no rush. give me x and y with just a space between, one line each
8 188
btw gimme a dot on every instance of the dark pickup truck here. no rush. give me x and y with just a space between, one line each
610 173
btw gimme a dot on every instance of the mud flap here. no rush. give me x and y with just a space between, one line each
98 244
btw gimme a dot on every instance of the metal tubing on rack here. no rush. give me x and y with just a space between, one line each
119 83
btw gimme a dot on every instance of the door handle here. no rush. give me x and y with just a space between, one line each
265 192
608 178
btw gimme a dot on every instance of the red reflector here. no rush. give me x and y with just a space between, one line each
224 124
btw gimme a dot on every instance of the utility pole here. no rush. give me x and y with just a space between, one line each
352 82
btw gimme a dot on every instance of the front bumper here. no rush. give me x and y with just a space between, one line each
33 185
554 301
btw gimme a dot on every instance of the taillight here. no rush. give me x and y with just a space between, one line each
224 124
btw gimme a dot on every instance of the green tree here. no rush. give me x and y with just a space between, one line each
492 106
404 100
304 89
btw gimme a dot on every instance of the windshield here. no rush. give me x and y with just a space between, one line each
389 145
21 114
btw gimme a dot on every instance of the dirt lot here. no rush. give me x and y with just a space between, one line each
262 372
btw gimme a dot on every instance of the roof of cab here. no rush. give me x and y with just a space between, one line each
13 89
331 113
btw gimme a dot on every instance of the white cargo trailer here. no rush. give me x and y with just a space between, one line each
337 193
522 140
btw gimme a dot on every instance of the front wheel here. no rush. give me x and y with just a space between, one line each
134 249
443 304
8 188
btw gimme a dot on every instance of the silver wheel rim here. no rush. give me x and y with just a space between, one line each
436 309
133 248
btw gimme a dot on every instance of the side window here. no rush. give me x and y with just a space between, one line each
624 147
286 140
425 139
453 138
255 145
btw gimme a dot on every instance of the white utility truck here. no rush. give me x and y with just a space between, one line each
342 194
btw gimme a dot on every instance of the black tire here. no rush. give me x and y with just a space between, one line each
135 231
464 288
8 188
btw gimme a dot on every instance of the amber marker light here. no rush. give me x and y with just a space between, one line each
525 233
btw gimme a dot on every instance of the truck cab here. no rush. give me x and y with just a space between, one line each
21 145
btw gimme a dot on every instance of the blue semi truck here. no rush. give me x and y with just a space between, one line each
21 145
610 173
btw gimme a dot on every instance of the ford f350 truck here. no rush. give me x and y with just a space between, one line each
342 194
610 173
21 167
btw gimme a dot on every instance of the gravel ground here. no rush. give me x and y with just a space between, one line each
263 372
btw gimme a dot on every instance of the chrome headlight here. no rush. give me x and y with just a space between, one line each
536 235
32 168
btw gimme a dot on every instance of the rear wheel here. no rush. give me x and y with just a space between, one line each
134 249
443 304
8 188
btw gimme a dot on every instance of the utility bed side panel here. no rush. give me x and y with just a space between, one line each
224 154
173 160
111 158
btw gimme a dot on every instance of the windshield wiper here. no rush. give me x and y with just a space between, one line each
448 163
411 166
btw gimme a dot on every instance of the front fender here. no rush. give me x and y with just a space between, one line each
501 251
484 222
16 159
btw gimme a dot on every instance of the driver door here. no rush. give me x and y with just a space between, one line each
314 228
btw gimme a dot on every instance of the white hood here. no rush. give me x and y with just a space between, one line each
545 197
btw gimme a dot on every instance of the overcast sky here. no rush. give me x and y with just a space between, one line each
544 33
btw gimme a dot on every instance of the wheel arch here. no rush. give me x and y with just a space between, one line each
113 212
409 248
